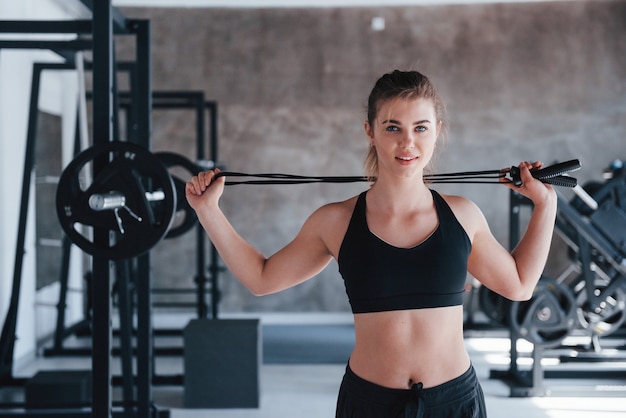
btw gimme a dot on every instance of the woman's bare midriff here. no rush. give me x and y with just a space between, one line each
399 348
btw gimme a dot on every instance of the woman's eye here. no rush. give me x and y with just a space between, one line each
421 128
391 128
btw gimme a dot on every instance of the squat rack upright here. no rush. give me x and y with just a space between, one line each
105 20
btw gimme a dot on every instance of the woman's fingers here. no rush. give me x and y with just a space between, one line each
201 182
190 186
525 175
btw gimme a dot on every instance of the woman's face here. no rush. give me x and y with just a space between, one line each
404 134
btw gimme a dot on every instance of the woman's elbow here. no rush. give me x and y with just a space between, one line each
521 296
262 288
520 293
258 290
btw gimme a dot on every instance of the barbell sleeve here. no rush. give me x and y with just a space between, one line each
107 201
116 200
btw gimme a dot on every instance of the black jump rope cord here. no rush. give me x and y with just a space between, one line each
553 174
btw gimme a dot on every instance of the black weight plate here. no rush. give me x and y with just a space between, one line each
185 217
495 306
606 314
132 171
548 317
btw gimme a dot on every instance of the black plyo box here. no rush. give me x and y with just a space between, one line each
58 389
222 362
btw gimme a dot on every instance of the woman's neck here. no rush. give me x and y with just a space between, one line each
399 194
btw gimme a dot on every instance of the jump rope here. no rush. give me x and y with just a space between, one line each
554 174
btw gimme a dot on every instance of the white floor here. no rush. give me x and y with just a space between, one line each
310 391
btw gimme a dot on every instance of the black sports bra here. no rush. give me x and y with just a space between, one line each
380 277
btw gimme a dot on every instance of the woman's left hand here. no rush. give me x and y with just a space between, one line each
534 189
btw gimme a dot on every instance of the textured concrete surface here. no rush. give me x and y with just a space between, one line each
537 81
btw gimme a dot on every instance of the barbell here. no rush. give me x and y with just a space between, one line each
133 198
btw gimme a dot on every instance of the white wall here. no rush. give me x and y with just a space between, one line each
304 3
58 97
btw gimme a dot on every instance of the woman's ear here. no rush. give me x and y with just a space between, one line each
439 126
368 132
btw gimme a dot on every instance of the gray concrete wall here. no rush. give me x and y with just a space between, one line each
537 81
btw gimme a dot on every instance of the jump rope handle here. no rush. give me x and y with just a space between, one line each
563 181
552 174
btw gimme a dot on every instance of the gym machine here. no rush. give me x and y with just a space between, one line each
587 300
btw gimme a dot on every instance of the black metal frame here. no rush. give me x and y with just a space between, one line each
525 383
101 29
194 100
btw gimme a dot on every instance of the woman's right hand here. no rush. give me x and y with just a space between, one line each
204 190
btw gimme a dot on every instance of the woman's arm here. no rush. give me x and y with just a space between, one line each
514 275
298 261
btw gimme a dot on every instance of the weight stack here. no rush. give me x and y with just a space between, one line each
58 389
222 361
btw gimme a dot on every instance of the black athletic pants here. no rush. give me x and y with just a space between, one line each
461 397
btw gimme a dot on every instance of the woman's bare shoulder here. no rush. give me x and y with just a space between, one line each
467 212
460 203
339 211
330 223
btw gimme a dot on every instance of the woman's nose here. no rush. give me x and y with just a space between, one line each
407 139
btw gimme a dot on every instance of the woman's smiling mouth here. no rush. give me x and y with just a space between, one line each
406 158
